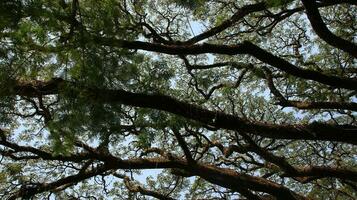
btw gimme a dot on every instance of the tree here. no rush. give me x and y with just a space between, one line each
227 99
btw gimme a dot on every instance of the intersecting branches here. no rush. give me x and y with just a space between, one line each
215 119
282 101
247 151
231 179
323 32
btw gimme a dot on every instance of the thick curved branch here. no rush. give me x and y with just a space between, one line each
314 172
324 172
223 177
323 32
220 176
248 9
305 104
215 119
243 48
241 13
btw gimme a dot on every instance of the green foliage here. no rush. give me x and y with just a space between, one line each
191 4
10 13
14 169
145 139
41 40
278 3
3 177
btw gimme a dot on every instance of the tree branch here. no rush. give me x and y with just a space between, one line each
243 48
323 32
217 119
305 104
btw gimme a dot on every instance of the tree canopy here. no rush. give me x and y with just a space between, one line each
178 99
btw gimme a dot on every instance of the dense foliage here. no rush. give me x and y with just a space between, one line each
178 99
